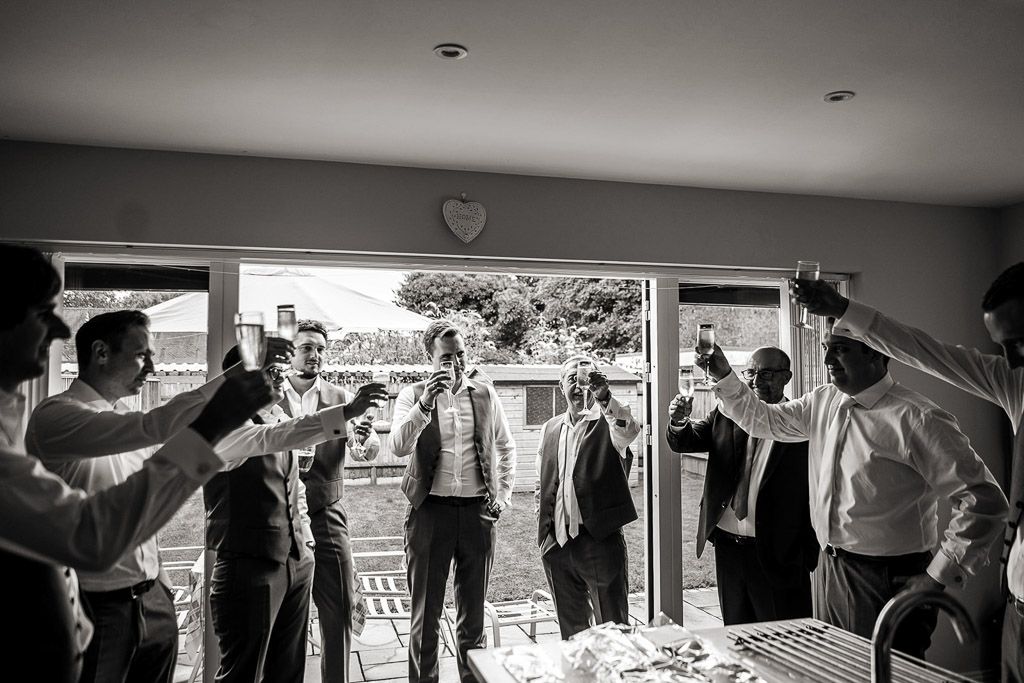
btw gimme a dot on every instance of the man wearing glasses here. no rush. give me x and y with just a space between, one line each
754 509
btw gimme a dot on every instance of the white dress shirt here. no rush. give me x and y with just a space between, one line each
309 402
280 433
746 526
985 375
44 519
623 429
458 473
900 455
95 473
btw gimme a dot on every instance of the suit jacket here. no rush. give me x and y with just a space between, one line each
326 477
785 539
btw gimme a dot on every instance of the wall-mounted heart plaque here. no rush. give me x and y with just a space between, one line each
465 219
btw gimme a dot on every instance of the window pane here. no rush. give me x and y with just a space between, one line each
538 405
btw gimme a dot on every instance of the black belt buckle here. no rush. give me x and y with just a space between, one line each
140 589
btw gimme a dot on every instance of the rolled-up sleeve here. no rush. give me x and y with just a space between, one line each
623 427
43 518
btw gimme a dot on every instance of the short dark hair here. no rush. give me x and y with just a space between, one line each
437 330
106 327
312 326
27 279
1007 287
232 357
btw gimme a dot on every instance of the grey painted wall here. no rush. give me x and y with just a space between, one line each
928 265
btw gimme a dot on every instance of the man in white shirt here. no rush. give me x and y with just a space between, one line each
130 604
583 501
43 522
458 481
880 458
306 392
999 379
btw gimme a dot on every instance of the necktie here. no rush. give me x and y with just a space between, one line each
830 453
567 524
740 498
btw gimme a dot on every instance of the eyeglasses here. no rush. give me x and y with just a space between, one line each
767 375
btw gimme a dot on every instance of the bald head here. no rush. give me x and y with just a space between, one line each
768 373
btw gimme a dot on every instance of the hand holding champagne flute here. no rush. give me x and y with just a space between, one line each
449 367
583 370
706 347
806 270
252 344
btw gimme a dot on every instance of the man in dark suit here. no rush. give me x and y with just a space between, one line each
333 592
583 501
755 507
459 478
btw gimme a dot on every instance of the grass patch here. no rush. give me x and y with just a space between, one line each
380 511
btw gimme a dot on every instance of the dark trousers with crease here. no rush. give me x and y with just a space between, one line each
1013 644
852 590
332 590
589 581
135 639
438 532
746 593
260 611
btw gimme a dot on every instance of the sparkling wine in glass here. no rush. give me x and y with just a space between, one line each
706 346
449 367
304 457
252 345
806 270
287 326
686 383
583 370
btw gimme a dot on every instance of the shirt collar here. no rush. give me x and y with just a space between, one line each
873 394
315 388
83 391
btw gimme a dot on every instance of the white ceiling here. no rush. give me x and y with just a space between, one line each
708 93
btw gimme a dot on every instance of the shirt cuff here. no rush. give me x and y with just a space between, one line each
333 422
190 453
728 386
856 321
615 409
946 571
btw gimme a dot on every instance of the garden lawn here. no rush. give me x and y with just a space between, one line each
380 511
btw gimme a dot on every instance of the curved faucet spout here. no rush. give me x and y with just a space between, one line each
899 607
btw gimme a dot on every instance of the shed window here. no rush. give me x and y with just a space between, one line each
543 403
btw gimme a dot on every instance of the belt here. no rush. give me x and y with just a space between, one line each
733 538
1018 604
455 501
130 593
836 551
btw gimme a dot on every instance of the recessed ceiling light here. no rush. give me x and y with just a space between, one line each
839 96
450 51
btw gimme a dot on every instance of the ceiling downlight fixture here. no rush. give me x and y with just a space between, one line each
450 51
839 96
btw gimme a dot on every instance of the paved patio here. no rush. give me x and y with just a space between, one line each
380 653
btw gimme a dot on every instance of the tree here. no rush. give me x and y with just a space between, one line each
606 311
115 300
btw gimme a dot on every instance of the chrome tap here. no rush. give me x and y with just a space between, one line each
894 612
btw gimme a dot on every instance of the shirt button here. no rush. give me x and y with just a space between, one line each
958 579
203 469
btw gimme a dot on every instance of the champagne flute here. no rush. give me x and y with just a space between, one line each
252 345
358 447
449 367
686 384
583 370
287 326
806 270
706 346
